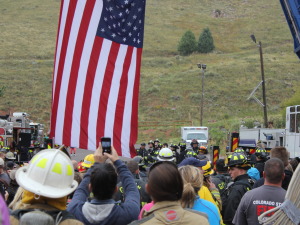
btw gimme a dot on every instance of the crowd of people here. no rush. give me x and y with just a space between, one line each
163 184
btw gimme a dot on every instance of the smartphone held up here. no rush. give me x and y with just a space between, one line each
106 144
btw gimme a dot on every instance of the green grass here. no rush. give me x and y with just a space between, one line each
170 84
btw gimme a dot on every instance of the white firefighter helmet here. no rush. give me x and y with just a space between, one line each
165 154
50 173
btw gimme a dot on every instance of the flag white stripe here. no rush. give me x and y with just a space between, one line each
114 92
66 72
97 87
84 63
126 128
60 39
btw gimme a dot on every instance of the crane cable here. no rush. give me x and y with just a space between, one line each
288 213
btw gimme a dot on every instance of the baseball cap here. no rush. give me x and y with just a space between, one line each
192 162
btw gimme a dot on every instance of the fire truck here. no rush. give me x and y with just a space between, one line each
289 137
18 129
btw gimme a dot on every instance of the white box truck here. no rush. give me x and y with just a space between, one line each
198 133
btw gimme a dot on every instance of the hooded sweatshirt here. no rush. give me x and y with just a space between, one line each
107 211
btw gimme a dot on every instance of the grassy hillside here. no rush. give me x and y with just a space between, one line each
170 84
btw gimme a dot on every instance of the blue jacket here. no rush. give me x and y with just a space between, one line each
209 208
106 211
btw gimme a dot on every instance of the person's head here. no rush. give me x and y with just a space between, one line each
207 169
156 143
103 181
1 164
50 174
274 171
261 154
238 165
173 147
88 161
182 146
143 145
191 161
75 164
236 171
295 162
165 145
36 217
220 166
165 154
10 165
192 182
164 182
2 155
133 166
10 156
202 149
280 153
195 144
150 144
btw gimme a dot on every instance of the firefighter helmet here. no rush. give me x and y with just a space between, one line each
80 167
156 140
182 144
194 141
139 160
239 159
50 173
88 161
10 155
150 142
208 170
165 154
203 149
174 146
239 149
261 153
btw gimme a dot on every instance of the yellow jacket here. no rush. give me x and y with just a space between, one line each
204 193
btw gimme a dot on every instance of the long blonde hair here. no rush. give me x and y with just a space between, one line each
192 181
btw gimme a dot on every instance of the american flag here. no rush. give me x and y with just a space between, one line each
97 72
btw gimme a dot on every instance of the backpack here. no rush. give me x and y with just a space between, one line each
246 185
57 215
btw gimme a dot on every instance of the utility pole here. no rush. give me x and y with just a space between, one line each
263 84
262 80
203 68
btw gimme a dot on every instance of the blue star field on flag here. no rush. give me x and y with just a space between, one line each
122 21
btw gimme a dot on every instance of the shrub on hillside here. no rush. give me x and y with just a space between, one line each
187 44
206 42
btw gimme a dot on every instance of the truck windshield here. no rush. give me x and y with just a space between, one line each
197 136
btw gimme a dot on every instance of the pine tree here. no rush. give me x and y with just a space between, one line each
187 44
206 42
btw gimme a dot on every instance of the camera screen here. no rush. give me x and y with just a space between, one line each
105 144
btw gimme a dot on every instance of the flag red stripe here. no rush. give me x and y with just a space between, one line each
57 35
135 102
67 30
87 14
107 79
118 123
87 96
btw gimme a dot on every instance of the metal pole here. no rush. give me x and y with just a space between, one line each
202 98
263 85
